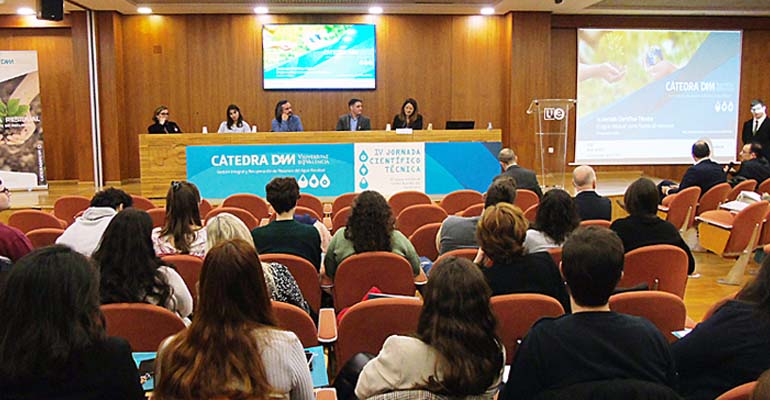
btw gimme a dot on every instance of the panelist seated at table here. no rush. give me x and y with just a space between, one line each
162 124
408 117
354 120
285 120
234 122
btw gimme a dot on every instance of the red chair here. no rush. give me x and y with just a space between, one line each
158 216
459 200
742 392
469 254
516 313
145 326
526 199
300 210
764 187
340 219
413 217
661 267
681 209
204 207
424 240
303 272
357 274
67 207
366 325
189 268
747 185
28 220
250 202
142 203
473 211
531 213
44 236
342 201
596 222
243 215
314 203
713 198
555 253
666 311
401 200
294 319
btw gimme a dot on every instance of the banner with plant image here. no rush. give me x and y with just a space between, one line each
22 162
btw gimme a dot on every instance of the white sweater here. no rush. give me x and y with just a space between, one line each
85 234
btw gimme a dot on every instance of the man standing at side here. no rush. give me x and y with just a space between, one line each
86 232
354 121
757 129
704 174
525 179
13 243
589 204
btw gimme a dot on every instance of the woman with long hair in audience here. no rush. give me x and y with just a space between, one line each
52 339
130 270
233 348
183 232
455 351
643 227
507 267
280 282
370 227
408 117
556 218
731 347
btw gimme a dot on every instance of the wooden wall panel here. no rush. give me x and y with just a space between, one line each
81 93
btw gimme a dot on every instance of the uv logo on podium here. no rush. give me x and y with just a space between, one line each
553 113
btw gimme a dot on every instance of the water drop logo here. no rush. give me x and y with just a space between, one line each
363 157
313 181
325 182
302 181
363 170
363 184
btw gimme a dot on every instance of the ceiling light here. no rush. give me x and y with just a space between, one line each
375 10
487 11
144 10
25 11
260 10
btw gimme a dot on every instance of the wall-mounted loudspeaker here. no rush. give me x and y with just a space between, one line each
51 10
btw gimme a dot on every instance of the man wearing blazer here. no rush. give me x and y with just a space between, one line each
525 178
589 204
757 129
704 174
354 121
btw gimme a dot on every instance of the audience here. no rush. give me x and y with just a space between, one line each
370 227
85 233
525 179
500 234
556 218
455 351
704 174
731 347
589 204
643 227
130 270
233 349
285 235
754 165
52 339
280 282
183 232
13 243
593 344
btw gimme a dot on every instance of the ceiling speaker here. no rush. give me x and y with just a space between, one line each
51 10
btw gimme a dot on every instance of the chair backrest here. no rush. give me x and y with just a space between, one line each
682 208
516 313
413 217
555 253
473 211
340 219
525 199
303 272
27 220
342 201
531 213
366 325
142 203
424 240
204 207
401 200
145 326
302 210
747 185
66 207
596 222
742 392
469 254
389 272
294 319
252 203
666 311
661 266
44 236
743 226
245 216
314 203
158 216
189 268
764 187
459 200
713 198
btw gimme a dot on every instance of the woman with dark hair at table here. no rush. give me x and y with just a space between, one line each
408 117
234 122
162 123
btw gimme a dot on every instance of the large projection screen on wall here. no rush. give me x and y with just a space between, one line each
644 96
319 56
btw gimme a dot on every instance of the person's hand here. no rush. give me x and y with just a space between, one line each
661 69
162 119
611 72
481 258
285 116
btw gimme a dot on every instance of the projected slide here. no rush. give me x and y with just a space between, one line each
645 96
319 56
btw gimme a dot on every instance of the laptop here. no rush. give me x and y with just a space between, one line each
453 125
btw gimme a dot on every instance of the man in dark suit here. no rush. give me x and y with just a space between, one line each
589 204
354 121
525 179
754 165
757 129
704 174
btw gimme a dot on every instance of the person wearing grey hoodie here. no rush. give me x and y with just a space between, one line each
86 232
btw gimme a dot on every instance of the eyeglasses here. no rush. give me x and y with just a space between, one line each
163 113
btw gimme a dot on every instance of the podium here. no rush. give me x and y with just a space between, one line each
552 124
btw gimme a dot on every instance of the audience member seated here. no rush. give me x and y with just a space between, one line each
589 204
643 227
731 347
85 233
754 165
285 235
370 227
501 234
455 351
409 117
52 339
233 349
593 343
704 174
183 232
460 232
556 218
280 282
13 243
130 270
525 179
